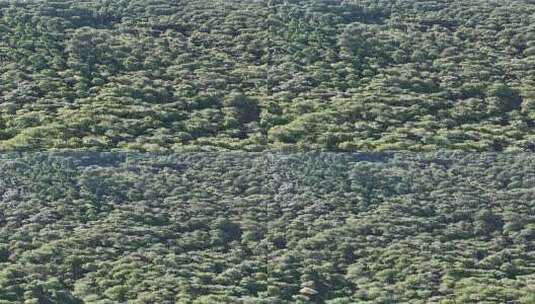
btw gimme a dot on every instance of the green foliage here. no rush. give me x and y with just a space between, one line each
167 75
265 228
185 76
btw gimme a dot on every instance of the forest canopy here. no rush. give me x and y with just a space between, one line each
267 228
292 75
189 151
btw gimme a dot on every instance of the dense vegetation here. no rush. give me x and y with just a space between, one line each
153 82
344 75
267 228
